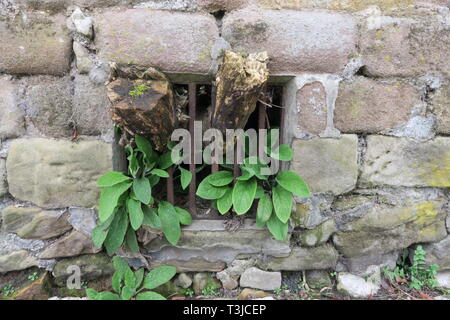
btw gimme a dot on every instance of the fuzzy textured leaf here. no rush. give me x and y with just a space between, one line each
207 191
169 222
109 198
225 203
221 178
151 218
111 178
134 209
150 295
265 208
293 183
159 276
186 178
243 195
277 228
142 190
184 216
116 233
282 203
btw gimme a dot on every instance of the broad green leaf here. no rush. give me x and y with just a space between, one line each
134 209
91 294
259 192
98 236
116 281
154 180
246 174
283 153
142 190
160 173
111 178
243 195
264 208
132 243
151 218
169 222
165 160
277 228
159 276
105 295
186 178
225 203
116 233
120 265
109 198
292 182
207 191
129 278
146 148
184 216
221 178
139 277
127 293
133 164
282 203
149 295
255 167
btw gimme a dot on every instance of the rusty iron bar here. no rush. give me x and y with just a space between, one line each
214 160
170 189
192 89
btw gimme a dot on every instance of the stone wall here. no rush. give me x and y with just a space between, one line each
367 96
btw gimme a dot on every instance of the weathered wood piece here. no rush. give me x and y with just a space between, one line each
240 81
143 104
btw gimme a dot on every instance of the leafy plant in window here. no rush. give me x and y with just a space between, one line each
127 203
274 193
129 285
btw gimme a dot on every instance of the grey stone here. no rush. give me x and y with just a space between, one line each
366 105
318 279
80 23
153 38
317 236
210 245
405 46
92 266
348 5
82 220
311 212
3 186
360 265
357 286
320 258
10 242
34 223
336 172
84 62
296 41
73 244
259 279
91 107
183 280
35 43
405 162
216 5
383 229
443 279
50 106
313 109
441 108
11 117
438 253
17 260
202 281
57 173
228 282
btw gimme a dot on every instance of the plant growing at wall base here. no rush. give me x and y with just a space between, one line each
129 285
418 274
127 203
274 192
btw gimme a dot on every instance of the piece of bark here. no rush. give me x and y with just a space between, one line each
240 82
151 113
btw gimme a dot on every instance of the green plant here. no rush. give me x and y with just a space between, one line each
210 290
126 200
139 90
128 284
418 274
274 192
8 290
281 289
33 276
189 292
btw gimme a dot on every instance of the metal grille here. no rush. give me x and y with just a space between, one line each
262 117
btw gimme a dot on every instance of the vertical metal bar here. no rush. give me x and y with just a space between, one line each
214 163
261 116
192 112
170 189
283 165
